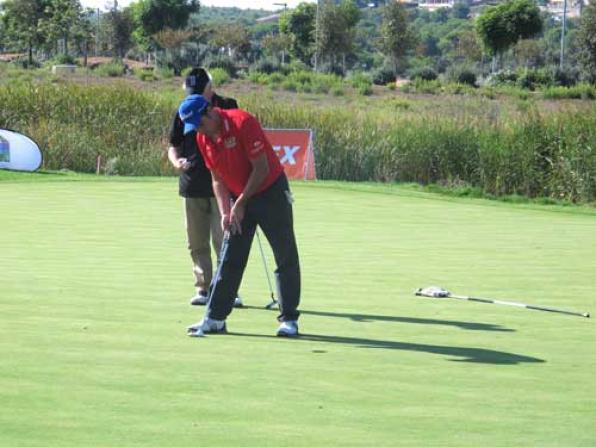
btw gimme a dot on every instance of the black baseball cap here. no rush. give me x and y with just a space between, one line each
197 80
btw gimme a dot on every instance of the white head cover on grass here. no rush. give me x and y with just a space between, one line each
18 152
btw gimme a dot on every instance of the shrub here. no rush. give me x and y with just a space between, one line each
297 65
23 63
276 78
337 90
223 62
220 76
580 91
359 79
467 77
111 69
426 74
430 87
62 59
267 66
165 73
566 77
503 77
365 89
383 76
145 75
290 85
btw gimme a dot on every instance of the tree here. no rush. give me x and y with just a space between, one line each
61 19
276 44
300 25
460 10
119 26
528 53
234 37
171 41
337 30
587 42
20 21
397 37
83 32
500 27
153 16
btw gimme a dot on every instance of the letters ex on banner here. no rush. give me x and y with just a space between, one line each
295 149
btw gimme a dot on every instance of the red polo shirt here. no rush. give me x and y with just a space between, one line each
241 140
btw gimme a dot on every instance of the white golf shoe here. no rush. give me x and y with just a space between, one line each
288 329
206 326
200 299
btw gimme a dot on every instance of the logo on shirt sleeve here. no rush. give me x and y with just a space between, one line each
257 147
230 142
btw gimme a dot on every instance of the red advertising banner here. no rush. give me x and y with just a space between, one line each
295 150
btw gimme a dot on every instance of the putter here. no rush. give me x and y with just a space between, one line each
438 292
273 302
222 254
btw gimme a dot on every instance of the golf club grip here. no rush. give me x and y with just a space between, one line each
528 306
559 311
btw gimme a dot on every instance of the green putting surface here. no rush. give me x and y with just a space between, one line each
94 287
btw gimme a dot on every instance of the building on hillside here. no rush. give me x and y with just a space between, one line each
273 18
433 5
555 7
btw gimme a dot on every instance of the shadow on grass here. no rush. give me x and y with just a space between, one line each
460 354
364 318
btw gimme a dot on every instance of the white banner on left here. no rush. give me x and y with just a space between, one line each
18 152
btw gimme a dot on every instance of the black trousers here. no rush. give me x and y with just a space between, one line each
271 210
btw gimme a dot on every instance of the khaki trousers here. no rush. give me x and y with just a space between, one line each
203 222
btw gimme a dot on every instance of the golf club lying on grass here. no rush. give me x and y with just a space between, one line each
438 292
222 254
273 302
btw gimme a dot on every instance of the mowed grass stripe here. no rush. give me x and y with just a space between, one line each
95 282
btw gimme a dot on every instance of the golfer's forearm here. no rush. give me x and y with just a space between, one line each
258 175
222 195
173 156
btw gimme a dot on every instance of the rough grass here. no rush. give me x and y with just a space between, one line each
516 147
95 280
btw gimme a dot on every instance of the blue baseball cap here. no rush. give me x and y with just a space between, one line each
191 111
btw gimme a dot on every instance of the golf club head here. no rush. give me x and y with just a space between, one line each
433 292
271 305
197 333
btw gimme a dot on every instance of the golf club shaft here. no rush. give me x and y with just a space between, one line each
222 255
526 306
265 266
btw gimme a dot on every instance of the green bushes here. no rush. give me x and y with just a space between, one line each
220 76
426 74
146 75
113 69
299 81
534 152
528 154
224 62
75 124
580 91
62 59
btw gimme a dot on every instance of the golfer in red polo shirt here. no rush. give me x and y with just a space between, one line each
251 189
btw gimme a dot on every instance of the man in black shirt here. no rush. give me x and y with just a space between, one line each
203 219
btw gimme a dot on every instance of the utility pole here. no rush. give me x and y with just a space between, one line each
562 60
283 52
317 37
97 33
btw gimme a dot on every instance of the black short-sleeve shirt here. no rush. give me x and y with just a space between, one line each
196 182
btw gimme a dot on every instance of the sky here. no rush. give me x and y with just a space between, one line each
252 4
